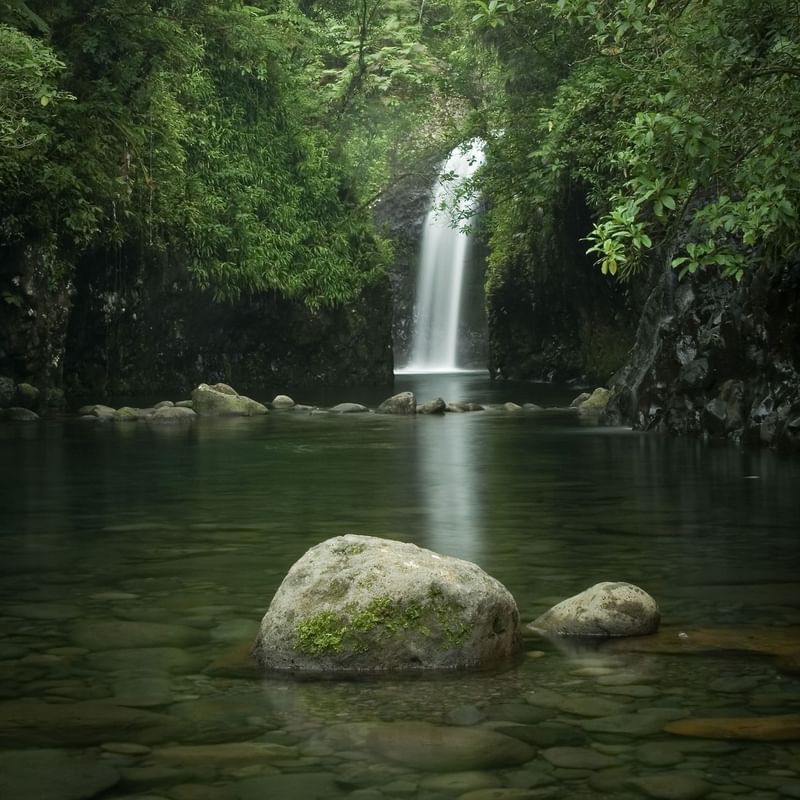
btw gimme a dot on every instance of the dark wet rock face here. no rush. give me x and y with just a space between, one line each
717 359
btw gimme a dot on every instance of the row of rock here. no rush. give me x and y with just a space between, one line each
220 399
365 604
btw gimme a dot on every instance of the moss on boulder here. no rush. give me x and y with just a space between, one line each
364 604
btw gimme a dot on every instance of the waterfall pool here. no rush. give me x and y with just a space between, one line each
137 562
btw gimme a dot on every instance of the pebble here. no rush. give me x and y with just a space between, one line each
465 715
462 781
578 758
125 748
671 786
735 684
591 706
53 775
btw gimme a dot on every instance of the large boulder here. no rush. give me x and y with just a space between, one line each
605 609
364 604
221 400
402 403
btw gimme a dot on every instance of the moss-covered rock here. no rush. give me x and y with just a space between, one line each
359 603
605 609
221 400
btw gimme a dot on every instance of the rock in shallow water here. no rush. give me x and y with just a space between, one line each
605 609
430 748
53 775
360 603
76 724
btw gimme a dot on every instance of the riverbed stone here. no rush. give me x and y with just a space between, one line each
365 604
53 775
122 634
430 748
461 781
588 706
642 723
780 727
578 758
225 753
607 609
671 786
401 403
173 660
222 400
305 785
78 724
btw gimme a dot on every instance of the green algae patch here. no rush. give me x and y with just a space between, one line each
358 630
322 633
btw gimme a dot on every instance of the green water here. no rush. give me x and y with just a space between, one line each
196 527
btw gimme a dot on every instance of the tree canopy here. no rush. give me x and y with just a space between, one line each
245 142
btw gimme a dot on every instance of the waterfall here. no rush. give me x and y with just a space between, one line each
443 255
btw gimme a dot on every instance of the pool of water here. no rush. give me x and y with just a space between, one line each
137 561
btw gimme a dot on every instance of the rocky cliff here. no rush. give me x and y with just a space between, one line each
716 358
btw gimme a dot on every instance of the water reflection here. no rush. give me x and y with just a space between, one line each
450 487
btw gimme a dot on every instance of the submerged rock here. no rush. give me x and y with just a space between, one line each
53 775
781 727
605 609
430 748
402 403
79 724
360 603
221 400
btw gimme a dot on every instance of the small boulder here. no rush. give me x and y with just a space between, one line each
221 400
28 396
163 404
437 406
365 604
184 404
349 408
282 401
402 403
532 407
605 609
17 414
172 414
595 404
511 407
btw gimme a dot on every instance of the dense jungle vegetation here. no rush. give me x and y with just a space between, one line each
247 142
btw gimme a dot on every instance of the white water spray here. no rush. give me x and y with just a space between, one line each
441 270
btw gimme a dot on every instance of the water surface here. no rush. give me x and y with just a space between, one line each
104 525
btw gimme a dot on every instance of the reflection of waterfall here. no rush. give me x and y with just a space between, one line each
452 491
434 346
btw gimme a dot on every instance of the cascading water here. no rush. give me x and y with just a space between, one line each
434 342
